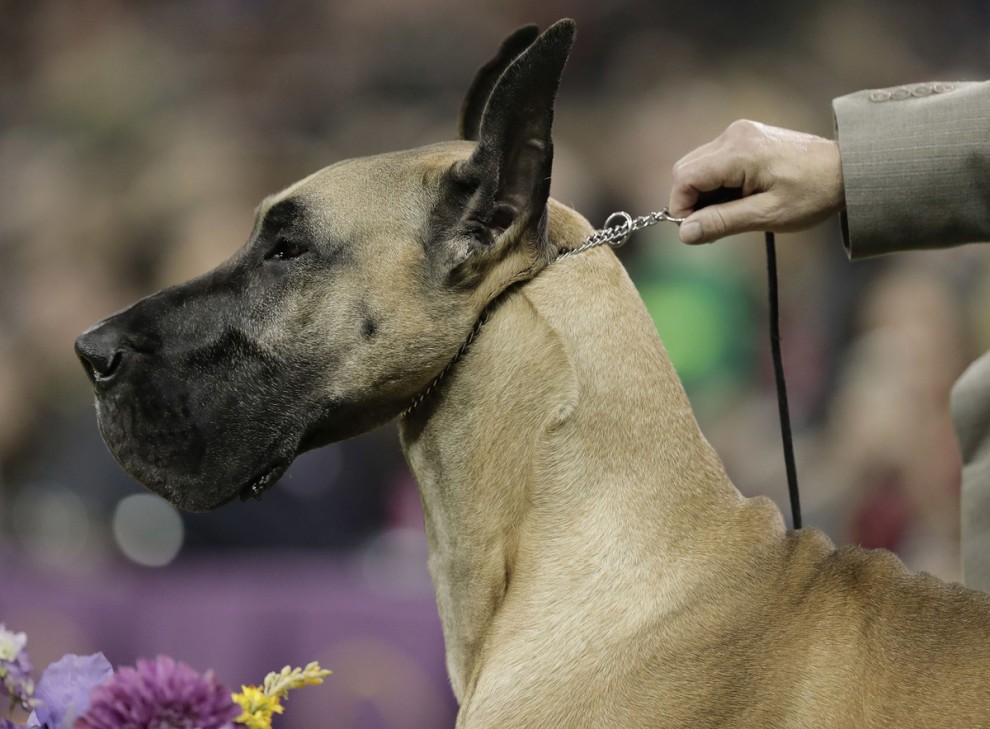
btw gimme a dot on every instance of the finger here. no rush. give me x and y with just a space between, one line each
682 200
704 173
717 221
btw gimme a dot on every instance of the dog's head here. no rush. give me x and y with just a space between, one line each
356 287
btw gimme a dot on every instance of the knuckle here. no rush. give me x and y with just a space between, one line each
681 168
743 129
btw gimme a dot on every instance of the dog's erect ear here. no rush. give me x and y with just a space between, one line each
505 183
469 123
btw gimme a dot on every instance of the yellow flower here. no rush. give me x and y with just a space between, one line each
257 707
260 704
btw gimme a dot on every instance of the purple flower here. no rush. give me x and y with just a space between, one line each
65 687
160 694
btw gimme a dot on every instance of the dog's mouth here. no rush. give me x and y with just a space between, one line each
263 481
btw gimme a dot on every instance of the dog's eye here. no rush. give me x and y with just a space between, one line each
284 249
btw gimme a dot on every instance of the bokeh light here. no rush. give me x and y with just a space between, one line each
147 529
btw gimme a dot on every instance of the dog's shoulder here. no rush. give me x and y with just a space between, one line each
874 589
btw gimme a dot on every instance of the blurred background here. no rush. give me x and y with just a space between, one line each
137 137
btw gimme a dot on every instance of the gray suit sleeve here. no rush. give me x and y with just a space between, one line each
915 166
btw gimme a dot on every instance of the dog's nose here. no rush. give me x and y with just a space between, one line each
101 353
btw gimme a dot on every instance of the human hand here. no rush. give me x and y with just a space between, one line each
787 180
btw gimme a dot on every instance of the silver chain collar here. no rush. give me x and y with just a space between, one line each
616 235
423 394
613 236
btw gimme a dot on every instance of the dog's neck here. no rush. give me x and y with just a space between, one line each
561 467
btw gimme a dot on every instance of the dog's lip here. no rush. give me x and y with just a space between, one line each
263 481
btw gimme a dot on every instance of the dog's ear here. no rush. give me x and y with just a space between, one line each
499 194
469 122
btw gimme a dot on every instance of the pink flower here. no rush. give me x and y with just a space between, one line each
159 694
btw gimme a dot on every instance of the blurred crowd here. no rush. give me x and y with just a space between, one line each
137 137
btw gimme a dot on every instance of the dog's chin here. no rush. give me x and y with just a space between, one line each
195 495
205 488
192 502
198 467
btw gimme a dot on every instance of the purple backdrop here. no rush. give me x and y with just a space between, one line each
245 615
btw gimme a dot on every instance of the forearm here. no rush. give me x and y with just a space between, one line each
915 167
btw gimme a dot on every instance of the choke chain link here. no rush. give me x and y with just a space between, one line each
617 234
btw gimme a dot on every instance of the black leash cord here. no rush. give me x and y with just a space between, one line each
726 194
778 373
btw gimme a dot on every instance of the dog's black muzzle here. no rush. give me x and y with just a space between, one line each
188 402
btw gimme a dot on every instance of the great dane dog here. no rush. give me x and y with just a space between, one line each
593 564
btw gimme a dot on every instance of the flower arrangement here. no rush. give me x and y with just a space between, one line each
84 692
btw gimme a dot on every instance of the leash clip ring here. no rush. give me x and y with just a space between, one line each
626 226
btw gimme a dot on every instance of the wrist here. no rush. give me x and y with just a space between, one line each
836 191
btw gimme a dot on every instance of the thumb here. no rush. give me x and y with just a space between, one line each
717 221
